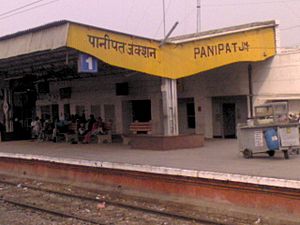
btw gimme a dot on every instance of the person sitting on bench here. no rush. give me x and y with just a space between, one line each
97 128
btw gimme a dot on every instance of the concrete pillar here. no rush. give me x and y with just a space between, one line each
199 116
208 117
170 106
119 117
156 114
125 112
73 108
8 109
61 111
204 116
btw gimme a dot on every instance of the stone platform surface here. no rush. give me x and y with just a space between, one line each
215 157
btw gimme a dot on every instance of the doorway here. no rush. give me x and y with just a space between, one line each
186 116
55 112
109 116
228 111
229 123
96 110
141 110
67 112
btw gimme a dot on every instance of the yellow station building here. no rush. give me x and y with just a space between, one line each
197 85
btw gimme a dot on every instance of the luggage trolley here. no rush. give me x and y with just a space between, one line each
269 132
289 139
269 140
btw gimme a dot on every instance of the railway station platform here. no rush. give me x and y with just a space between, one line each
218 156
214 174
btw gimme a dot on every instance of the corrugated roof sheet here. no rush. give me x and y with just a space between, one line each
62 22
221 31
180 38
47 37
35 29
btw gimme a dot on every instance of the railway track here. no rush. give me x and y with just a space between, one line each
37 192
211 199
50 211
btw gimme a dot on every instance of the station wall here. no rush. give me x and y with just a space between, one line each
278 79
97 95
211 90
200 90
274 79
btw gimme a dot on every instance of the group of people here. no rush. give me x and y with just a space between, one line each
91 128
77 126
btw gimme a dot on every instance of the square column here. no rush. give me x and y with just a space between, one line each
8 109
170 106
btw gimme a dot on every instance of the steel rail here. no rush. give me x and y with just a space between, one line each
119 204
49 211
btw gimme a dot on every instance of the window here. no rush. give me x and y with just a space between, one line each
65 92
79 109
45 111
96 110
190 111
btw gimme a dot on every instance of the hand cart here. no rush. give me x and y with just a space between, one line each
270 131
268 139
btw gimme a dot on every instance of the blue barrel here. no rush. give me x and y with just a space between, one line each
271 138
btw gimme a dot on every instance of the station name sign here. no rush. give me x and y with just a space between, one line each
131 49
221 48
173 60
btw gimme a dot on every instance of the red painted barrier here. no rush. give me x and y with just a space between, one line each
282 200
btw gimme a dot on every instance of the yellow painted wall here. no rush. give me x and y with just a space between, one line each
172 60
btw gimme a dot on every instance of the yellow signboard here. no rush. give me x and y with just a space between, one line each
172 60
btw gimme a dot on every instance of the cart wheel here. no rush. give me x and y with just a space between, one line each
247 153
286 154
271 153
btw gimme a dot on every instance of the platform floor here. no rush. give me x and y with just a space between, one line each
216 156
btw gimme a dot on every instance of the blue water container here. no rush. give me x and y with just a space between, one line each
271 138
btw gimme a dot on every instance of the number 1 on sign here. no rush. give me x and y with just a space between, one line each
89 61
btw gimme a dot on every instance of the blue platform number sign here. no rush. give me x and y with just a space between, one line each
87 64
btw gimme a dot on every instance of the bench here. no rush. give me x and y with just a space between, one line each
106 137
140 127
126 139
72 134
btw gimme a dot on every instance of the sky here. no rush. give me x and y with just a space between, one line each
145 17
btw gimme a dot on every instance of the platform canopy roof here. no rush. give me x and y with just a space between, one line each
179 57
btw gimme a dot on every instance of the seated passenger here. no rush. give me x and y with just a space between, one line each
100 125
91 122
72 127
96 129
81 130
107 126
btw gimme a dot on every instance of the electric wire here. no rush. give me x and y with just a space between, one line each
29 9
290 28
291 10
248 3
161 23
21 7
145 12
130 11
17 11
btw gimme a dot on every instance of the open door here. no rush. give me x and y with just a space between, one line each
229 123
